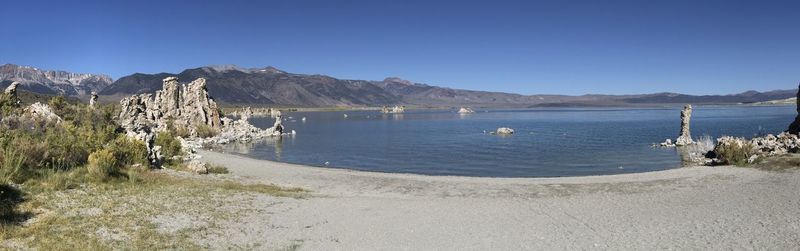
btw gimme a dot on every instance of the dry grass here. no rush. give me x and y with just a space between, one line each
779 163
134 212
217 169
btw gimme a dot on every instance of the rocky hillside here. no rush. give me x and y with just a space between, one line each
271 86
52 82
234 85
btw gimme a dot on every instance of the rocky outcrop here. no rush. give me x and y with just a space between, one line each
197 167
93 100
186 106
771 145
242 131
758 147
11 94
39 111
198 107
794 128
685 137
12 89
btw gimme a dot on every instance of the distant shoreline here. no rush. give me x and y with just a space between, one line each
455 108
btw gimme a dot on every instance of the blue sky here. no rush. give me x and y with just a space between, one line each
528 47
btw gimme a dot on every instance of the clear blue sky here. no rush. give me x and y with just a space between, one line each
528 47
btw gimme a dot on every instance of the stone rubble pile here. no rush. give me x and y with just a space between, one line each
765 146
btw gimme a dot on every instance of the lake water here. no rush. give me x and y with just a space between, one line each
547 143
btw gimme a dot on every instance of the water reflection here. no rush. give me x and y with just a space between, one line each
247 148
393 116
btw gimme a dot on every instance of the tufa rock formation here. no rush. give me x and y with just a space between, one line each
39 111
465 110
794 128
93 100
504 131
685 137
185 106
396 109
12 89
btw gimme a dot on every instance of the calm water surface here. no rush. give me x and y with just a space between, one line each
548 142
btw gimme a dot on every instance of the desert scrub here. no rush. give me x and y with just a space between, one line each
11 166
8 105
102 164
122 214
783 162
128 151
177 131
733 151
170 145
217 169
205 131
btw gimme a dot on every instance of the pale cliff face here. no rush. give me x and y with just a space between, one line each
59 82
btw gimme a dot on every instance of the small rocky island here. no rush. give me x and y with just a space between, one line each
395 109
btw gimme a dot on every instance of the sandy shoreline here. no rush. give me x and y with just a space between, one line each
701 207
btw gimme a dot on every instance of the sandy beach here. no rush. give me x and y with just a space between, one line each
694 208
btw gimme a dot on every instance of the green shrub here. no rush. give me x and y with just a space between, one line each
60 106
177 131
11 170
128 151
205 131
170 145
217 169
734 153
102 164
8 104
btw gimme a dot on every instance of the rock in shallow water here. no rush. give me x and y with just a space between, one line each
685 137
504 131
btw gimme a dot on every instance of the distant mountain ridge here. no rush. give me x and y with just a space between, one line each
270 86
53 82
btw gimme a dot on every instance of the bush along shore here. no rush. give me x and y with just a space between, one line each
62 157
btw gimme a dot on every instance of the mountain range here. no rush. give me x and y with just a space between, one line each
53 82
273 87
